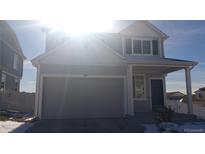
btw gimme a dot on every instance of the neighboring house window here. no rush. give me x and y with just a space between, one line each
141 47
3 82
139 86
16 88
200 96
16 61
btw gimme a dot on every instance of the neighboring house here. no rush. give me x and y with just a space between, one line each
11 59
197 98
194 100
177 96
109 74
200 94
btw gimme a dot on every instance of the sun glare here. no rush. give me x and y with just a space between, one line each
79 26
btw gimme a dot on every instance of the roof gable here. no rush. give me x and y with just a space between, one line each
143 28
86 51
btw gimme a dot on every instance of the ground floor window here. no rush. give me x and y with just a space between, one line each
3 82
139 87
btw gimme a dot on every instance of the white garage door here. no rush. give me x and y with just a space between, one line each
65 98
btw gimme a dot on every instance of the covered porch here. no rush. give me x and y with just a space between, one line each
147 85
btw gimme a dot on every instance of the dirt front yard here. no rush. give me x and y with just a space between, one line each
13 126
98 125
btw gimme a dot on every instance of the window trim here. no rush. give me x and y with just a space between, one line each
145 95
142 39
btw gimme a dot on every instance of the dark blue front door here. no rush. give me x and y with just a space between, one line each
157 93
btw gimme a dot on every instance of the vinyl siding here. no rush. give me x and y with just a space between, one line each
7 58
92 70
114 41
10 82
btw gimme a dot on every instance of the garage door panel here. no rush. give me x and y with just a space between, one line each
82 98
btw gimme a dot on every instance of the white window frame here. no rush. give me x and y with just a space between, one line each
3 79
144 86
15 61
142 54
142 39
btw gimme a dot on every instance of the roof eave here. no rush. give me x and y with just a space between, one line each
158 63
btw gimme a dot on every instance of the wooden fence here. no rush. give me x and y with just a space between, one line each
18 101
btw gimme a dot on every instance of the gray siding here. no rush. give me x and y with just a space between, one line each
88 70
1 55
7 55
114 41
10 83
6 64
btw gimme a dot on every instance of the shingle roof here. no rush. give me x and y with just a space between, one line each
160 61
175 92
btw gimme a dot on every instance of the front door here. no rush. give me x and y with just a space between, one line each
157 93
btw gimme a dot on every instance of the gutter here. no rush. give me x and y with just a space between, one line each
194 64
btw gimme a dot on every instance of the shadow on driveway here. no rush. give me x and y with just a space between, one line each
100 125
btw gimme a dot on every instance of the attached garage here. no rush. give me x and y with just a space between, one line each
82 97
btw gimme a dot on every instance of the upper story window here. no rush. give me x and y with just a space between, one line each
16 61
141 47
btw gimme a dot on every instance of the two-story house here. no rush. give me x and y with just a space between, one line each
11 59
110 74
200 94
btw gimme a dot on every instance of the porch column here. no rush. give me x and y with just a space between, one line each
189 90
130 106
37 92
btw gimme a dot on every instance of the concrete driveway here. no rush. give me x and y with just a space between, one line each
100 125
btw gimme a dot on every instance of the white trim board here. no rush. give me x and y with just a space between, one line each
82 76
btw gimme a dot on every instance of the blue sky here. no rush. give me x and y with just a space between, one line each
186 41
